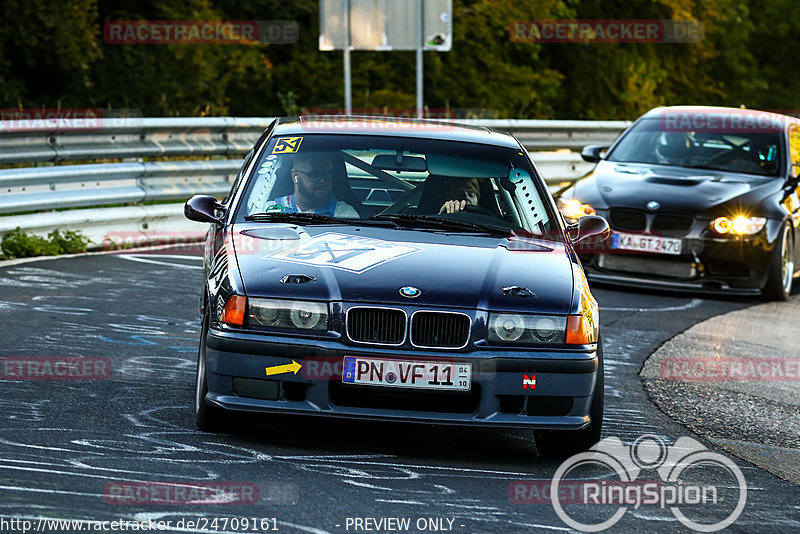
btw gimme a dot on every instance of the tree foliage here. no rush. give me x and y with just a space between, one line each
55 56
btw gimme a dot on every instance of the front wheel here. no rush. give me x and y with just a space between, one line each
561 443
207 418
781 268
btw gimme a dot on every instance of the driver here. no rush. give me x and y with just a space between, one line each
461 192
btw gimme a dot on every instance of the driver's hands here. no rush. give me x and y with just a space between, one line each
453 206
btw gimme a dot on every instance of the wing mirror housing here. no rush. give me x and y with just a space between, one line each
588 226
593 153
203 208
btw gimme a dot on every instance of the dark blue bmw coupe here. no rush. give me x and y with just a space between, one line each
397 270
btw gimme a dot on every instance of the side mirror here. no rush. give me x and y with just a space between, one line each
593 153
203 208
588 226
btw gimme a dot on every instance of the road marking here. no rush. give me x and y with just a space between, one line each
136 257
689 305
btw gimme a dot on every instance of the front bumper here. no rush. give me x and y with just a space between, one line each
236 377
711 265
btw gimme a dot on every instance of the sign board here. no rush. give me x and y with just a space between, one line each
386 25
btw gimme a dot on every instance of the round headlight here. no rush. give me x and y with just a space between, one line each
722 225
266 313
545 328
509 327
306 314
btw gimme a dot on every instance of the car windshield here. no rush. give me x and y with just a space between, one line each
399 181
750 152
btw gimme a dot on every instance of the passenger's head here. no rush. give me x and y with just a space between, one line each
312 174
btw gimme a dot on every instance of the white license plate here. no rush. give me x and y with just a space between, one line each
646 243
407 374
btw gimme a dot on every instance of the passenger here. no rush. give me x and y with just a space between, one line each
312 176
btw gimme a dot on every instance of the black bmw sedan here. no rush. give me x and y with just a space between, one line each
702 199
401 271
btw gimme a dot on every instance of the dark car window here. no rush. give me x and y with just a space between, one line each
736 150
364 176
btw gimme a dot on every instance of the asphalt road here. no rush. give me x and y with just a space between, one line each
67 445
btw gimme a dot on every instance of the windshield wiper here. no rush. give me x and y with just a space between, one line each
307 218
428 221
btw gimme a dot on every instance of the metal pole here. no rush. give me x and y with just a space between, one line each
420 43
348 92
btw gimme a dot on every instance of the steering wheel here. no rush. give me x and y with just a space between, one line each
470 208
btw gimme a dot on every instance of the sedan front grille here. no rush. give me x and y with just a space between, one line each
671 225
439 329
384 326
628 220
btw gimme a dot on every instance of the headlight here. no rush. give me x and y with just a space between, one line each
739 225
573 209
524 328
291 314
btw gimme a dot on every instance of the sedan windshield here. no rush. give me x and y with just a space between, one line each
749 152
406 182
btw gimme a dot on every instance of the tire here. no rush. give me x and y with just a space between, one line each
781 268
207 418
563 443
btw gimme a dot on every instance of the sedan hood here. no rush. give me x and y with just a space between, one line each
372 264
676 189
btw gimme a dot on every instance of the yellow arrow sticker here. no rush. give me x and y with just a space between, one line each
280 369
287 145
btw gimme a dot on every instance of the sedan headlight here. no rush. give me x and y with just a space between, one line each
573 209
287 314
525 328
738 225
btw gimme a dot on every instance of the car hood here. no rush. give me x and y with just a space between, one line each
372 264
676 189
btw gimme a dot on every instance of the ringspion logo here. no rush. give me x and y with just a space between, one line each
703 489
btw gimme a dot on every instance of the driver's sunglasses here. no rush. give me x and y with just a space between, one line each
317 177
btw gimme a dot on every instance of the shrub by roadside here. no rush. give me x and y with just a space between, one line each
18 244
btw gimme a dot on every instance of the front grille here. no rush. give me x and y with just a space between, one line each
376 325
438 329
628 220
671 225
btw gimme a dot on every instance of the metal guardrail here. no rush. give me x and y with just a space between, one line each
226 139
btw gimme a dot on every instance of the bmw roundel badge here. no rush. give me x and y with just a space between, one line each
410 292
653 205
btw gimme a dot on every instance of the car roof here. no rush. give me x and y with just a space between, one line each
393 127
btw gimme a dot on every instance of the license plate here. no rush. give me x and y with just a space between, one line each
646 243
407 374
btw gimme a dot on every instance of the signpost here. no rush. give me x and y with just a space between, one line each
385 25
